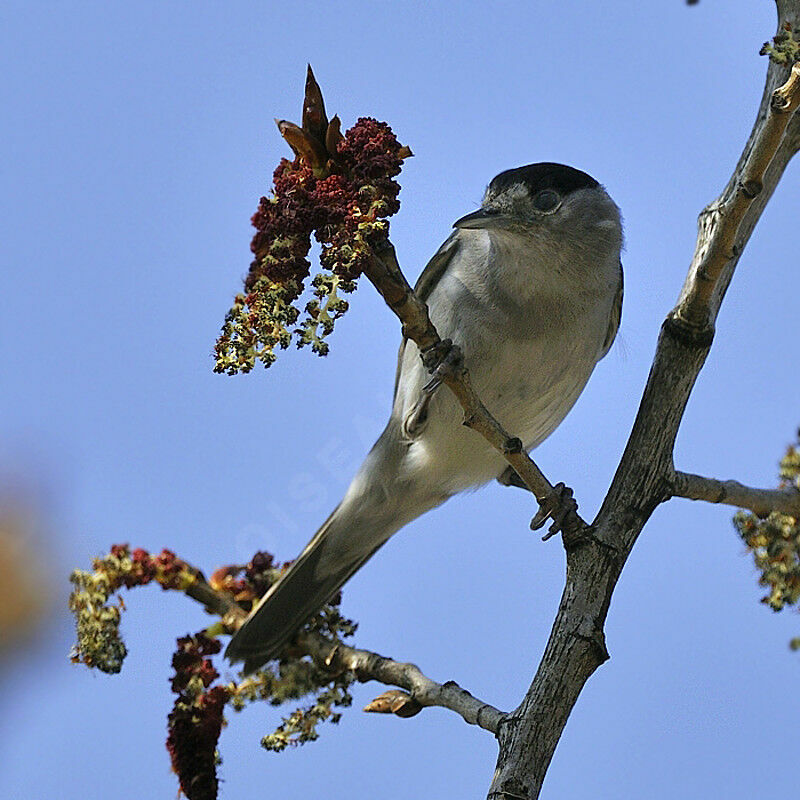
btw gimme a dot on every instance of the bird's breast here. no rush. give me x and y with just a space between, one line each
531 333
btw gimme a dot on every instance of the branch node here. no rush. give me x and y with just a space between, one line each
579 536
752 188
589 632
510 789
786 98
688 333
395 701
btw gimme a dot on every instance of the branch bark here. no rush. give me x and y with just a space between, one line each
233 615
422 690
720 242
336 657
733 493
576 646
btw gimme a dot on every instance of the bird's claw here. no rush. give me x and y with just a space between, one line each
441 360
562 507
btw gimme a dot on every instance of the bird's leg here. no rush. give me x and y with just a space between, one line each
441 359
444 358
561 505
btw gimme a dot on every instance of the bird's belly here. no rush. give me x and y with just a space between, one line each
528 386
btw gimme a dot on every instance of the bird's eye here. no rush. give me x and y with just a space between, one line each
546 200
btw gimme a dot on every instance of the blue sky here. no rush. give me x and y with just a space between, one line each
136 141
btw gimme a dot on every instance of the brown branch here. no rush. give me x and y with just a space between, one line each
368 666
385 274
422 691
221 603
576 646
733 493
720 240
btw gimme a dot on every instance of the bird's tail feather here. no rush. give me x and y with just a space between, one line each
299 594
367 516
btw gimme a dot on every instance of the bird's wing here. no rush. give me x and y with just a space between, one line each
424 286
616 315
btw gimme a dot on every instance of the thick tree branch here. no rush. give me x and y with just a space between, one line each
385 274
576 646
733 493
423 691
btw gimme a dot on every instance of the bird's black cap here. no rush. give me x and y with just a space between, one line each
546 175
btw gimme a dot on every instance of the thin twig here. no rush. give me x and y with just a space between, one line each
233 615
369 666
733 493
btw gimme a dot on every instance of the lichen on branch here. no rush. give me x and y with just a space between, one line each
340 189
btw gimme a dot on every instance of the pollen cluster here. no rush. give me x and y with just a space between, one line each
338 189
774 542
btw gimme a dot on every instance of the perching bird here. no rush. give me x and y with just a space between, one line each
530 288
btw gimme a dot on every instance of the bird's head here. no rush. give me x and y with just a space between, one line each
545 200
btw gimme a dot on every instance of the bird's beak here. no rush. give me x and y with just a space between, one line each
480 219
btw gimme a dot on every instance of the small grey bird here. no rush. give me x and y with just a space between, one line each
530 288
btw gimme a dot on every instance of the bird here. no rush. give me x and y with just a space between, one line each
530 288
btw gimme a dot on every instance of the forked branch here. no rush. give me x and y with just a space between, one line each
645 474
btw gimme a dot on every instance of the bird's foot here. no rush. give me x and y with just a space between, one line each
442 360
562 507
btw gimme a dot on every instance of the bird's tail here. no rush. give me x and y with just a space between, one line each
307 585
367 516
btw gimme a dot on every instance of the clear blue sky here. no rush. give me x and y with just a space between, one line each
136 140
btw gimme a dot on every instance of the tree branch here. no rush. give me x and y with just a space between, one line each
385 274
719 241
233 615
337 657
576 646
733 493
422 690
